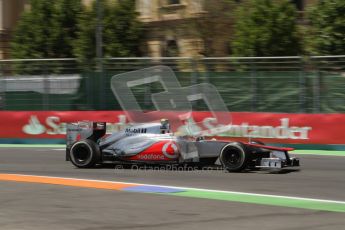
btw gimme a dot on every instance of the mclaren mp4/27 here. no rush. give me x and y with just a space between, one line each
152 143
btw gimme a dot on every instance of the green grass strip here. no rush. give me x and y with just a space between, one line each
32 146
319 152
281 201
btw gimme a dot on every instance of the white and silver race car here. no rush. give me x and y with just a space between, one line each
153 143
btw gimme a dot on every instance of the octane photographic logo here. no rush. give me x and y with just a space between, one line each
175 101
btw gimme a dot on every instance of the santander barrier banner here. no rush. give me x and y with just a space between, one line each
267 127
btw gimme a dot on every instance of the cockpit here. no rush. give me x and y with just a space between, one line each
165 126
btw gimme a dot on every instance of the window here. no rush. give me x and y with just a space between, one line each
173 2
298 4
171 49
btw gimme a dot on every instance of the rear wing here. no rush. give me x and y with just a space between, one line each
84 130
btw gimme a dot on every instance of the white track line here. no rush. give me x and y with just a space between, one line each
198 189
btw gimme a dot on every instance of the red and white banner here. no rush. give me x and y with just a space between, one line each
268 127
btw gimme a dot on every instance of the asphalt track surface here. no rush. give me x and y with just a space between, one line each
46 206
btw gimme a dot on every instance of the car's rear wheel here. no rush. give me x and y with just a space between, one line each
85 153
233 157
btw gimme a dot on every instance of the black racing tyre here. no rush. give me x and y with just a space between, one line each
85 154
234 157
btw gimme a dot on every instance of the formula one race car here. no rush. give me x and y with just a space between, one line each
152 143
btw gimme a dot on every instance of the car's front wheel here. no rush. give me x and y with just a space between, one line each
85 153
233 157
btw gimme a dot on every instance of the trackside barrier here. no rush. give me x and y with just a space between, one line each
283 128
293 84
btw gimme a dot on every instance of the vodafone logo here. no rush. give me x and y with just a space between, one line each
170 150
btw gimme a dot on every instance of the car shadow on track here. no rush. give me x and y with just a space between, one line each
284 171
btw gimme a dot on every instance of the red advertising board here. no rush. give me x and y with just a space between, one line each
268 127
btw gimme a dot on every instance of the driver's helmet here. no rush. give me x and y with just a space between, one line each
165 126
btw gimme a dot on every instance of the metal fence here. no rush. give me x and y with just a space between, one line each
260 84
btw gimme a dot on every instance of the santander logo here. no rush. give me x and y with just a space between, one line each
52 125
34 127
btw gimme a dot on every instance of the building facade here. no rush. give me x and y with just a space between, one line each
10 11
168 27
172 26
